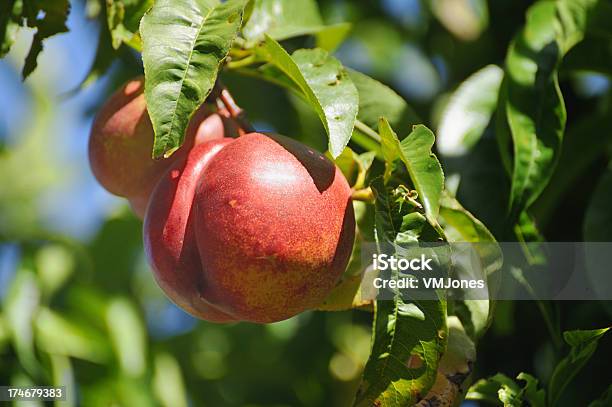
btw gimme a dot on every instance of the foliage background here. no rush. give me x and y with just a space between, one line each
79 305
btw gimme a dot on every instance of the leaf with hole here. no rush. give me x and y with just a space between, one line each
325 85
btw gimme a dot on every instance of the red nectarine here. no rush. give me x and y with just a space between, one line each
121 144
257 229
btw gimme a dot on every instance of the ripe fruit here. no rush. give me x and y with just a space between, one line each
255 229
169 237
121 144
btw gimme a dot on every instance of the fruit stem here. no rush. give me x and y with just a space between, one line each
365 129
241 63
364 195
239 53
235 111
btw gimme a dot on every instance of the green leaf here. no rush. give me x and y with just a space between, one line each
422 165
582 346
395 221
326 86
184 44
377 100
331 36
58 335
20 307
460 352
532 102
500 388
282 19
10 21
454 369
63 375
128 336
168 383
464 226
49 18
355 166
493 389
123 18
598 218
461 226
467 114
409 337
536 397
405 352
54 264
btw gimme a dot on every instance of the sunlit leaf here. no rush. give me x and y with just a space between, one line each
184 44
532 103
128 336
168 381
467 114
58 335
282 19
331 36
54 264
63 375
326 86
20 307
